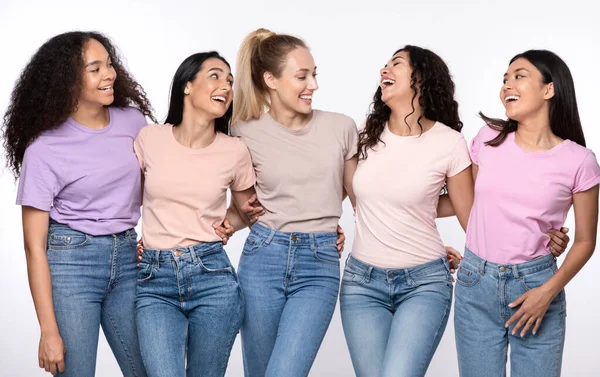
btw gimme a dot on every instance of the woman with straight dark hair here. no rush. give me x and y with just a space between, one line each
69 132
189 306
529 170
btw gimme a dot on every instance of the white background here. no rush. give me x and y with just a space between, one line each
350 41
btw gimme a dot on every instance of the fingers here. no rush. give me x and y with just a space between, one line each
553 250
528 325
558 238
538 323
564 230
522 321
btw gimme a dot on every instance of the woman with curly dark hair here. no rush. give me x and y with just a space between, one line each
397 286
69 132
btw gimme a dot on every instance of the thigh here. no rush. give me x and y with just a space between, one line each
216 309
261 275
162 325
118 309
308 311
79 276
539 355
366 318
481 339
417 328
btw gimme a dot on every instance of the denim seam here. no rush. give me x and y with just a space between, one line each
121 342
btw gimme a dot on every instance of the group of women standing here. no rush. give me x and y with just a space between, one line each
76 136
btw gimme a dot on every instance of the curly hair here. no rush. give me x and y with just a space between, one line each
431 81
48 88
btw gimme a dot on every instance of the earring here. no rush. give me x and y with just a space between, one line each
186 91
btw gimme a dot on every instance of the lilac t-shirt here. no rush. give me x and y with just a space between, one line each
87 179
520 196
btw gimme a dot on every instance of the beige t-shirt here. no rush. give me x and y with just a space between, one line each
299 173
397 191
185 189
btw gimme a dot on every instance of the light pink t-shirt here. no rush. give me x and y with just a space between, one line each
397 191
299 173
520 196
185 188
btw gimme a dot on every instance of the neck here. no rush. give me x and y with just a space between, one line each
400 117
195 131
95 117
289 118
535 132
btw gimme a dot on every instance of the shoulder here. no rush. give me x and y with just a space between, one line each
580 153
338 120
244 128
153 131
129 117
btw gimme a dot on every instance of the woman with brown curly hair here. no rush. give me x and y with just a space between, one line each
69 132
397 287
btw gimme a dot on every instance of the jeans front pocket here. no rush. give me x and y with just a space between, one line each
65 238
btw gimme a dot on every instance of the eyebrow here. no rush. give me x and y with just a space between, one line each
517 70
96 62
306 69
220 70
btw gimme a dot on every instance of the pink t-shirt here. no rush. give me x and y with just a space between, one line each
185 189
520 196
397 191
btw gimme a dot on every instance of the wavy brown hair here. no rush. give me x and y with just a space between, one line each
431 82
47 90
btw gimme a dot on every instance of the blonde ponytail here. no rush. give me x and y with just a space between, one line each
262 51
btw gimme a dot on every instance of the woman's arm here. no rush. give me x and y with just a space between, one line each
349 170
35 232
535 302
460 193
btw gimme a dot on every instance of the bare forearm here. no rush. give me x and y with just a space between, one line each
445 208
577 257
40 285
236 219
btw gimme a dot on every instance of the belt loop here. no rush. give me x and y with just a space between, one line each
516 272
368 274
270 237
156 258
193 254
482 267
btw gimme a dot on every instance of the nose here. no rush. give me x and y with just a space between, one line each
312 83
384 71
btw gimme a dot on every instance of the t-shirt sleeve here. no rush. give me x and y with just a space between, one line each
459 158
351 139
40 180
138 147
478 141
243 177
140 121
588 174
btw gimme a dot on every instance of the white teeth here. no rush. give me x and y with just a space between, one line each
511 98
106 88
306 97
219 98
388 81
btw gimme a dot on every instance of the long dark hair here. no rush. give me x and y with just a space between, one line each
48 88
187 72
435 96
563 113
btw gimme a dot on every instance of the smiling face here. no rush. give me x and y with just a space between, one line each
211 90
98 75
294 88
395 78
524 94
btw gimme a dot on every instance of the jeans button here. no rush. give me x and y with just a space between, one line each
392 275
502 269
177 253
68 239
294 238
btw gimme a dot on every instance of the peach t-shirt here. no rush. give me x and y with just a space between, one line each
397 191
185 189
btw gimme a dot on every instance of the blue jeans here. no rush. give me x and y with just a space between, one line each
93 284
394 319
291 283
483 292
188 308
